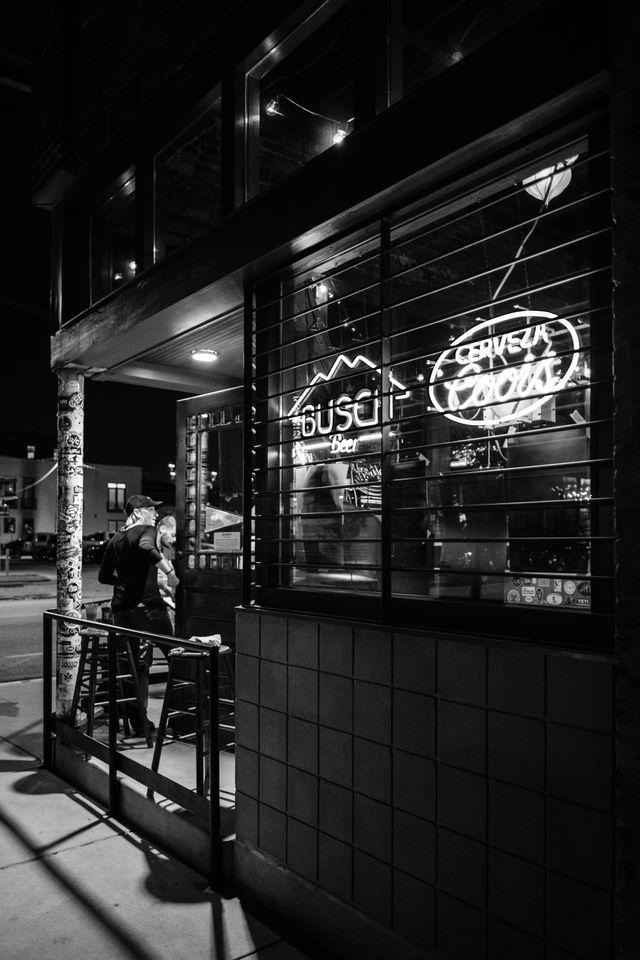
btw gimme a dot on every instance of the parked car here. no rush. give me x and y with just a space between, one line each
14 547
42 546
93 546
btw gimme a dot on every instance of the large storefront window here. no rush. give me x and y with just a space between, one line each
434 403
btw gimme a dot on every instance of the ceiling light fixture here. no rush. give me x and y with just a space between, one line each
204 355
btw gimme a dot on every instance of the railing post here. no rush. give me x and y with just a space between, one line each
114 797
47 699
215 840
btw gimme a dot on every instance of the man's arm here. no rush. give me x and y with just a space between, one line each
107 571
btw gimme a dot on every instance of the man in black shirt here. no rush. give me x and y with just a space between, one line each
128 564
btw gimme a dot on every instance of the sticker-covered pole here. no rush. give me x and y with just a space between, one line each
69 530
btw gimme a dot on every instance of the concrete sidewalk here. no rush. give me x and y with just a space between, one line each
74 882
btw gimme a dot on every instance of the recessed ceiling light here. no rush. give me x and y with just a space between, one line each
204 355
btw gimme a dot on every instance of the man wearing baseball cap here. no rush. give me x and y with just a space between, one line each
137 603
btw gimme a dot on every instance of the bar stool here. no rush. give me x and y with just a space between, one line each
93 670
197 709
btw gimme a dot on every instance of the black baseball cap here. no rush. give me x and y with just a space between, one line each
137 501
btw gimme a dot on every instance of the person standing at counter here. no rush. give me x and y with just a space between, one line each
127 565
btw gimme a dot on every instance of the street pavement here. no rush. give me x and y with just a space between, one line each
25 593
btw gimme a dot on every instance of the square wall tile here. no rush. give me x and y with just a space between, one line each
303 643
248 633
273 734
580 692
372 655
461 930
372 827
516 891
414 662
516 820
462 740
462 801
580 766
302 796
302 850
247 724
302 742
579 918
335 867
462 868
335 701
580 842
414 723
247 819
414 846
517 750
516 681
372 887
335 757
273 637
273 685
462 671
273 783
372 769
273 832
247 678
414 785
303 693
507 943
372 711
336 648
335 813
247 766
414 909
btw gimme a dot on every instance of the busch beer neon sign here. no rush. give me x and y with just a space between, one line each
487 377
344 412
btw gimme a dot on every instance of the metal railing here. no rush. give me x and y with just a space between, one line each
56 728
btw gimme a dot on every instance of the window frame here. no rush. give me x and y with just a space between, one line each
592 629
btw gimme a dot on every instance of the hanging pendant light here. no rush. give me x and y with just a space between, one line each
550 182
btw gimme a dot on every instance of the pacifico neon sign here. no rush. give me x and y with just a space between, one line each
487 377
344 412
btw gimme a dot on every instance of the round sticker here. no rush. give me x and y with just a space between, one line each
569 587
513 596
554 598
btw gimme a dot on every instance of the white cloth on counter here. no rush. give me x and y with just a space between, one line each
214 640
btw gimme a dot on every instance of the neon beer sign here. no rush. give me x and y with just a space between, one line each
344 412
489 376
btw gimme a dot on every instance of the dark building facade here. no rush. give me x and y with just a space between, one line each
390 252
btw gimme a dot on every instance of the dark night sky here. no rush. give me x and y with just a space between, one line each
124 424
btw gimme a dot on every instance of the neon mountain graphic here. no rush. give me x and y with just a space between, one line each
326 377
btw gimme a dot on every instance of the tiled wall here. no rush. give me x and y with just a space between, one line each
458 792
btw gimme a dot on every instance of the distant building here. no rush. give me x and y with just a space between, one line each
28 493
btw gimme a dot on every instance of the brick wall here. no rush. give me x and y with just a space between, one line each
456 793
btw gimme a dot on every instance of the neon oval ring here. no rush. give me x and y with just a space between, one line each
535 404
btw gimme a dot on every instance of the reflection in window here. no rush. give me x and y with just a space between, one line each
305 98
437 36
473 411
113 242
187 184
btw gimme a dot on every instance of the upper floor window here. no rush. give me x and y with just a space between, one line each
28 494
116 496
112 232
437 36
300 98
187 183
